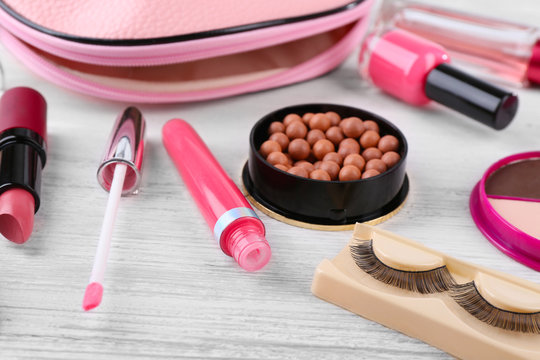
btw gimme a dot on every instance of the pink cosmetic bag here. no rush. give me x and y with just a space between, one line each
158 51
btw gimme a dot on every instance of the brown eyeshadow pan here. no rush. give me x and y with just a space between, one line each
520 179
505 205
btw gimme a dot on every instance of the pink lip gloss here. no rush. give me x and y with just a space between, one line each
417 70
236 227
496 49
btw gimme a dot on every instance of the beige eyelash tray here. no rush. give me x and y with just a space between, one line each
509 306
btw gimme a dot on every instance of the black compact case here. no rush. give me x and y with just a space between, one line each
324 204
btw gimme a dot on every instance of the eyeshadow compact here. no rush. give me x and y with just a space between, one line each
326 166
505 205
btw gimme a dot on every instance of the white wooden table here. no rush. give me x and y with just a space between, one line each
170 292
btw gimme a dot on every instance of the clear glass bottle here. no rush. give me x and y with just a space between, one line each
417 70
495 49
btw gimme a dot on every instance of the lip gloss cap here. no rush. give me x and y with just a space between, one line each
482 101
533 70
245 241
252 252
125 146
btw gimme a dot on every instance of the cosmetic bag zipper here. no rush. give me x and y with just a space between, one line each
29 46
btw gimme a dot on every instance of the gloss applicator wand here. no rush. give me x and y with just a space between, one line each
119 173
236 227
23 136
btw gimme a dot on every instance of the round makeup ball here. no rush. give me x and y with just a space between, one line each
369 138
376 164
268 147
281 139
289 118
319 174
298 171
352 127
296 130
276 126
348 146
371 153
320 121
370 173
299 149
356 160
322 147
334 117
306 165
315 135
390 158
277 157
306 117
335 135
349 173
371 125
335 157
331 168
388 143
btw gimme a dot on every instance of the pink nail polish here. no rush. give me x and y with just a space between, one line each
498 50
417 70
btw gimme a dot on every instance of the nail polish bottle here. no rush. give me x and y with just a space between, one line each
417 70
496 49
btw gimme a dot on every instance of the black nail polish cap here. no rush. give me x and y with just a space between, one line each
475 98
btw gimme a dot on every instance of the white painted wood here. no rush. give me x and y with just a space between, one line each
170 292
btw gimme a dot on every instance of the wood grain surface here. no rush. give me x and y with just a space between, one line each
170 292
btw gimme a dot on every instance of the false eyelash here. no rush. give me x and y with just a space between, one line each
424 282
470 299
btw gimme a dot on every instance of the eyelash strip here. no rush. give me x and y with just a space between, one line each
440 280
468 297
423 282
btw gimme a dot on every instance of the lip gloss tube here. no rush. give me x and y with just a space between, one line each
236 227
417 70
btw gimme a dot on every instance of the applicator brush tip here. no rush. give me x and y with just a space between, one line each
92 296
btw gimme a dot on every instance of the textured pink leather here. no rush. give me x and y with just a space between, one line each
175 52
146 93
305 49
141 19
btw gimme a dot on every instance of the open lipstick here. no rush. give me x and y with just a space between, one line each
237 229
23 136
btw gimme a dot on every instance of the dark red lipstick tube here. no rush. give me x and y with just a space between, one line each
22 154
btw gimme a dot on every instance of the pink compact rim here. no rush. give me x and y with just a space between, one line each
502 234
